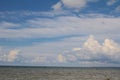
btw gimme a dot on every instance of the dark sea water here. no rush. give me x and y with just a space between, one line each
53 73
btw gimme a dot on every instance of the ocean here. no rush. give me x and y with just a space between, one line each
58 73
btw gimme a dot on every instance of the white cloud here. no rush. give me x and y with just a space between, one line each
12 55
110 47
76 49
101 26
72 4
92 50
57 6
61 58
92 45
62 26
77 4
8 25
111 2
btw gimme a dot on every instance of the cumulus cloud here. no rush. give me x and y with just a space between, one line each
61 58
109 46
111 2
92 45
72 4
10 57
92 50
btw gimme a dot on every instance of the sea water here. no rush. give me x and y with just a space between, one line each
57 73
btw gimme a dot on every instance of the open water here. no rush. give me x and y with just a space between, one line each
54 73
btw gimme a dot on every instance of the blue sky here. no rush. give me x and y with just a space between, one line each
16 5
82 33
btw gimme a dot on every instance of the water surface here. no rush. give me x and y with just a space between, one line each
54 73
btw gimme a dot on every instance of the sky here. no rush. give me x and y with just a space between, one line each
70 33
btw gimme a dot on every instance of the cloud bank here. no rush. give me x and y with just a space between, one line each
90 52
93 51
